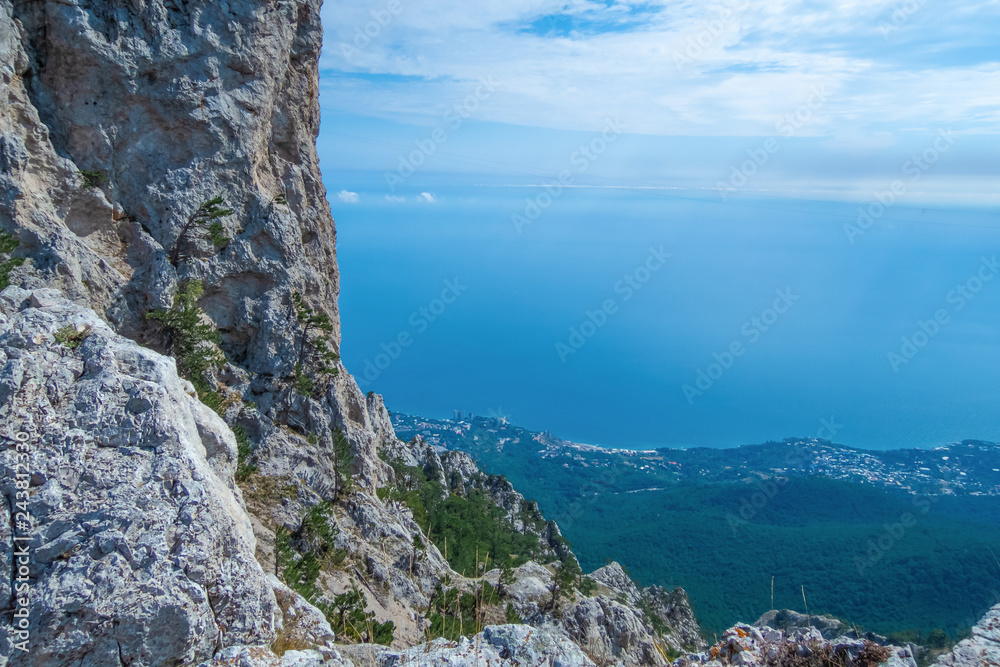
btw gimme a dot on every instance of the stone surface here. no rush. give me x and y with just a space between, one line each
982 648
496 645
828 627
139 548
764 646
172 104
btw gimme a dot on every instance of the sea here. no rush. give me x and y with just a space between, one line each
642 317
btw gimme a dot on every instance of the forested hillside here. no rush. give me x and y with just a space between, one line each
884 559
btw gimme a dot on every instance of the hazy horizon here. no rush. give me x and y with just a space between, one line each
523 290
540 151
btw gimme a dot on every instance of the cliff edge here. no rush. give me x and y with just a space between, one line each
191 474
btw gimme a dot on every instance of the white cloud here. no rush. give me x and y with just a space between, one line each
348 197
427 197
723 67
393 198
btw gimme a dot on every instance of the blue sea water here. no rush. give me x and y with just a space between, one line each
497 301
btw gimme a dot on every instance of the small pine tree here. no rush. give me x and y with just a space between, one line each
315 347
190 339
7 245
92 179
206 214
244 452
349 620
343 458
506 577
587 586
566 575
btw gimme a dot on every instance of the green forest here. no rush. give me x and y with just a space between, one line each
471 531
814 533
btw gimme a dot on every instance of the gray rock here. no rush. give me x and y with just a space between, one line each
507 645
827 626
612 633
762 646
981 648
138 544
171 105
613 576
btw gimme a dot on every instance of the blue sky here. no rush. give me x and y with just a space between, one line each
850 89
750 140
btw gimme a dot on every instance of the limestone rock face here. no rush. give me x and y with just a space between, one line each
138 548
674 609
613 576
121 119
762 646
496 645
829 627
617 626
982 648
611 632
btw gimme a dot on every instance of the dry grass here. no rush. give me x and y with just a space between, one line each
262 493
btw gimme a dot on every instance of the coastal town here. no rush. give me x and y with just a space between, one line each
969 467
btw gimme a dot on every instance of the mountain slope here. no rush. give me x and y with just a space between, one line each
159 170
856 529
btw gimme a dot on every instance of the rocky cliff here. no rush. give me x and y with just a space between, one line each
190 475
161 198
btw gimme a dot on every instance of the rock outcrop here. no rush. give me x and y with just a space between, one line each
121 119
140 549
120 482
753 646
828 627
981 649
623 625
496 645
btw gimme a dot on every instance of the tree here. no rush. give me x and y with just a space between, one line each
190 339
349 620
206 214
315 347
506 577
937 638
566 575
7 245
343 458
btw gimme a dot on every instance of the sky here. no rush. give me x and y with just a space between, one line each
535 151
849 91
